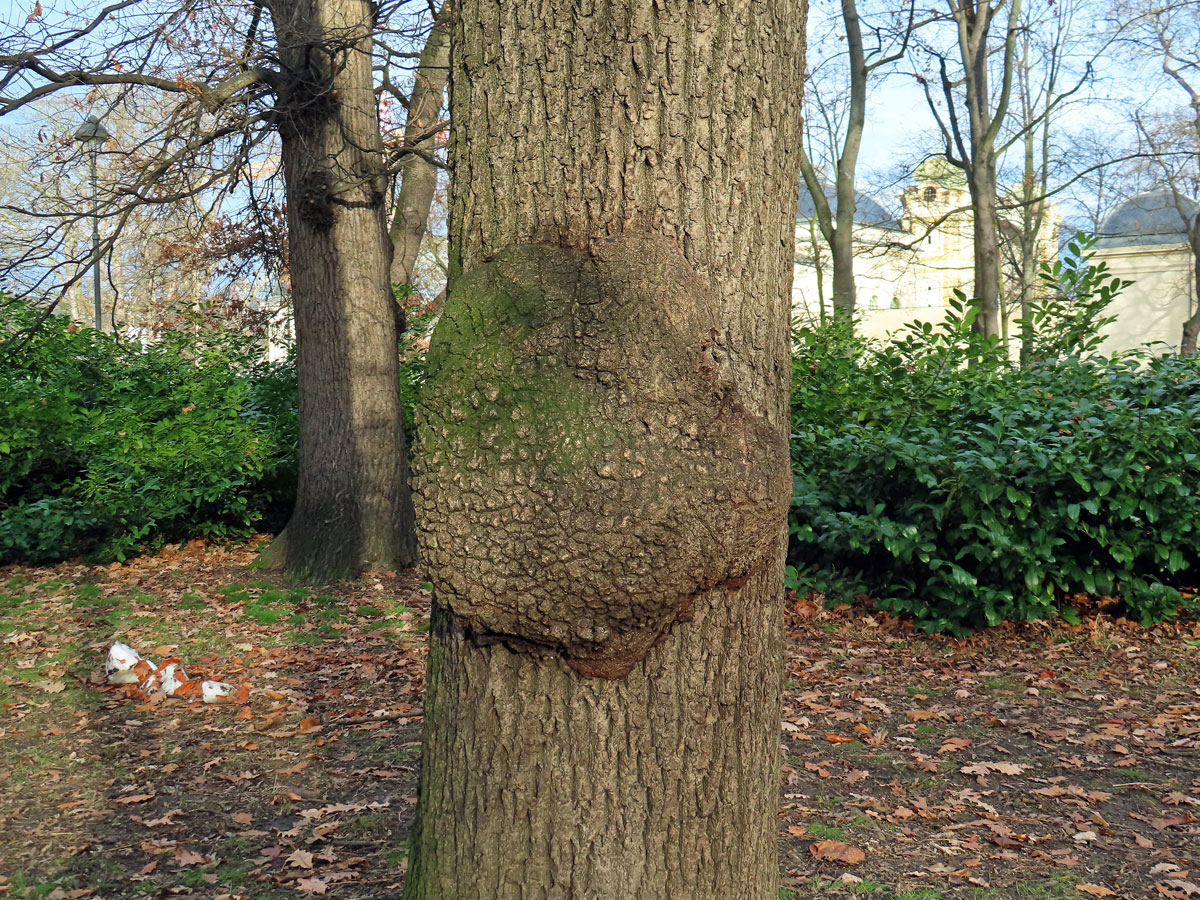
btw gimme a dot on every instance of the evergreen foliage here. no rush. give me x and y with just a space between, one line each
108 446
962 490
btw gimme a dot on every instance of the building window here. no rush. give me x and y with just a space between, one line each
895 303
930 194
873 303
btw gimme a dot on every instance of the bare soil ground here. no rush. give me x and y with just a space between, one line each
1041 761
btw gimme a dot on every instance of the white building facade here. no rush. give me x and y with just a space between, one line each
905 268
1145 240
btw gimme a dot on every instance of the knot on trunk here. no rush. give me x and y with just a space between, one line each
584 470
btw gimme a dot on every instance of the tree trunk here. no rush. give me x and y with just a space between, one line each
985 116
842 247
842 251
982 181
604 475
1191 325
417 176
353 511
1029 262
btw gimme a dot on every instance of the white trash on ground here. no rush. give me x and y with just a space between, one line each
216 691
171 678
119 668
126 666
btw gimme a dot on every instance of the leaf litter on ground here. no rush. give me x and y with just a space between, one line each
1040 760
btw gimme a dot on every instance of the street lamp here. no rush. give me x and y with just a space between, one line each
92 134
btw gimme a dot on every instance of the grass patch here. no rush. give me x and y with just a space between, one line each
191 600
365 824
823 832
263 615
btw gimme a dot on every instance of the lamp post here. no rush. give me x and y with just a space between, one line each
92 134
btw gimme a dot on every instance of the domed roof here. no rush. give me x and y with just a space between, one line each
866 210
942 172
1153 217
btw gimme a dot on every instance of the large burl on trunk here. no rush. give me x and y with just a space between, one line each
603 473
587 471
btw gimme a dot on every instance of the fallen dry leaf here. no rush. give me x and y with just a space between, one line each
999 768
925 763
301 859
1095 890
953 745
311 885
135 798
185 857
1161 824
837 851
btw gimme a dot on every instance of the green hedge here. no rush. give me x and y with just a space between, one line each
967 493
108 446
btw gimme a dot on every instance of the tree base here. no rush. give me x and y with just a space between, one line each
538 782
322 558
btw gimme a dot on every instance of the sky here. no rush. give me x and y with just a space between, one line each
900 129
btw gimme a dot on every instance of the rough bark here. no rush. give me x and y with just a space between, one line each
603 488
417 176
353 510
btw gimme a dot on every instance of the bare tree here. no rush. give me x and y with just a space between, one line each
972 145
884 44
1050 48
1170 33
240 76
1165 137
417 175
